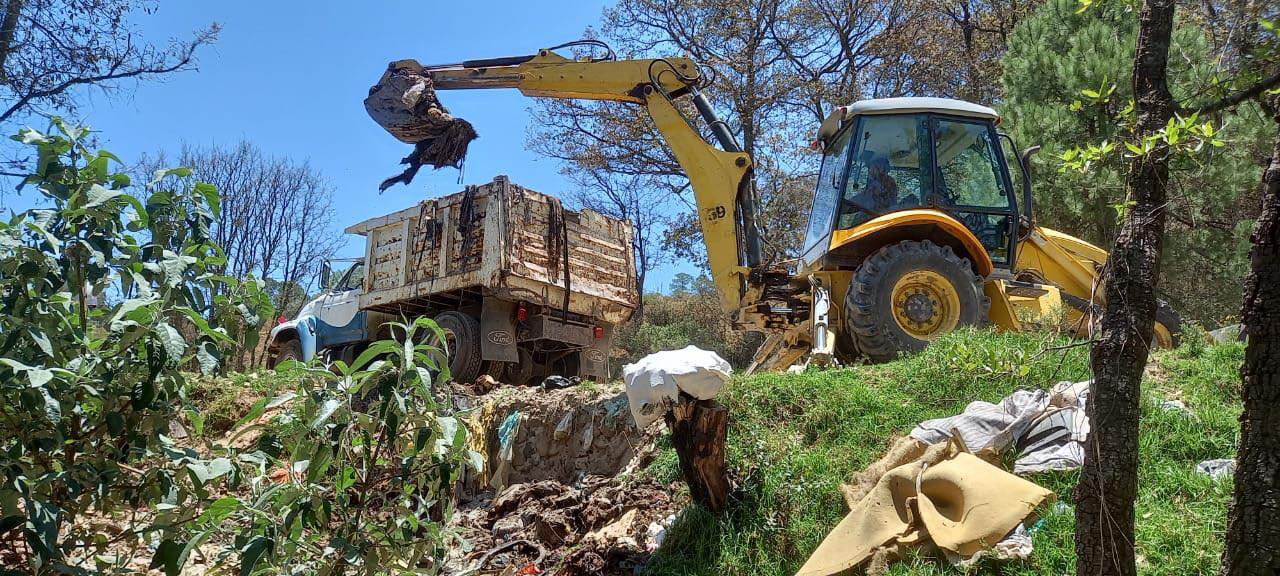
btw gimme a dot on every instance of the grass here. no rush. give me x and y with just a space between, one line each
795 438
223 400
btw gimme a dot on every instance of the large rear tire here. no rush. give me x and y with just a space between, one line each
908 294
462 337
1168 329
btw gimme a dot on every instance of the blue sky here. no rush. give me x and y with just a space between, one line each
292 76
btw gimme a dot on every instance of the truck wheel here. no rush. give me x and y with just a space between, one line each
462 336
1168 329
520 373
910 293
290 354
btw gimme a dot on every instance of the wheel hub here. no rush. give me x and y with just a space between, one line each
920 307
925 304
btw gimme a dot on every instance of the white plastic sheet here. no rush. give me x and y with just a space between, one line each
655 381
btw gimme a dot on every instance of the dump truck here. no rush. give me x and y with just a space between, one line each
916 227
520 286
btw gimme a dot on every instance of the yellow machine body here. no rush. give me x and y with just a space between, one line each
798 305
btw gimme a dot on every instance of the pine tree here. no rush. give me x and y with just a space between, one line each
1066 82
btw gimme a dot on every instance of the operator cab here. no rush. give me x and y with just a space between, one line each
894 154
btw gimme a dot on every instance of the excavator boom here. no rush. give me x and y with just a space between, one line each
720 177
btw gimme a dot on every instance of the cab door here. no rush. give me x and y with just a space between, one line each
971 182
340 318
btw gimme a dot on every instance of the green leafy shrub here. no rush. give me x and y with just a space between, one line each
96 292
104 298
366 466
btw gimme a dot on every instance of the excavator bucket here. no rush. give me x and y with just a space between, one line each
404 103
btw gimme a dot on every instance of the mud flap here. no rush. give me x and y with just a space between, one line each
594 360
498 331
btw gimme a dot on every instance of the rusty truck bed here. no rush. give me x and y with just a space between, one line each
499 240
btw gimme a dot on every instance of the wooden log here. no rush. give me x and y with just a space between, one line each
698 432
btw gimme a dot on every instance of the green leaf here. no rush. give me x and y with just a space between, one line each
346 479
52 409
210 194
207 355
174 344
253 552
38 377
42 519
99 195
41 340
279 400
220 509
126 308
173 266
163 173
166 557
326 410
373 351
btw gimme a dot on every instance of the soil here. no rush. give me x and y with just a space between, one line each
571 504
562 434
600 525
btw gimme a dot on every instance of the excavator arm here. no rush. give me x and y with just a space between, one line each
720 177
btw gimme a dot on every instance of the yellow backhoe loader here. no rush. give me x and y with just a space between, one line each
915 229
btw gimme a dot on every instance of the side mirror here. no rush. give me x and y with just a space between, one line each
325 272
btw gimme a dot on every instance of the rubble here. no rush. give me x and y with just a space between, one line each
567 501
553 434
599 525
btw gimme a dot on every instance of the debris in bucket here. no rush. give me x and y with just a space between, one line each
404 103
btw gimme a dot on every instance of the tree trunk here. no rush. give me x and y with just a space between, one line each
698 432
9 25
1109 480
1253 522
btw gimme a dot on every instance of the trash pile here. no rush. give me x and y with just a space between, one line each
528 434
404 103
598 525
558 494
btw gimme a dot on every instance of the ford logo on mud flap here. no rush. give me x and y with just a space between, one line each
500 337
595 355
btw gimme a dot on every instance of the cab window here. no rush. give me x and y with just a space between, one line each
353 279
827 193
885 173
968 168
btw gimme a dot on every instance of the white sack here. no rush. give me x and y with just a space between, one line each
655 381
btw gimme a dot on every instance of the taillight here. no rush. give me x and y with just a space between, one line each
281 320
599 332
522 314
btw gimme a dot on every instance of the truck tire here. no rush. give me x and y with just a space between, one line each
909 293
462 336
1168 330
290 353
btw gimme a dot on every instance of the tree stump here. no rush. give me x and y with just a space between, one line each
698 432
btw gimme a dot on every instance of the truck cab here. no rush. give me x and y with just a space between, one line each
330 322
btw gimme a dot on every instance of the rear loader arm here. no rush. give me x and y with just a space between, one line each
719 177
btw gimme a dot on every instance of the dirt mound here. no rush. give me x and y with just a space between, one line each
600 525
531 434
559 490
